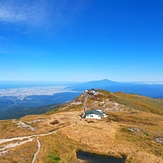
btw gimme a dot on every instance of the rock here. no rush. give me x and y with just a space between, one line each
159 140
134 129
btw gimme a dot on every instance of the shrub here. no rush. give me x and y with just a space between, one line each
54 157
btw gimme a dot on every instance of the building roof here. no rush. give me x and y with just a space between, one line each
92 112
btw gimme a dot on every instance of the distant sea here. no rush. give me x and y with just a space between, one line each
154 90
149 90
27 84
34 93
21 98
18 99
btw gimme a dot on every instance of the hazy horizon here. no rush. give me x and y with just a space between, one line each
73 82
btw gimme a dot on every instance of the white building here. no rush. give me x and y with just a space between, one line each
94 114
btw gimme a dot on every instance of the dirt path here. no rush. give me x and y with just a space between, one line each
39 146
13 139
6 144
20 141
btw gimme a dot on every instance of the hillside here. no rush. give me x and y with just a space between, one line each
132 130
109 101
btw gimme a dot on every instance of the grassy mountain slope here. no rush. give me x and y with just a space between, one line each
140 103
116 101
133 129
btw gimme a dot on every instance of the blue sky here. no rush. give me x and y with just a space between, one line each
83 40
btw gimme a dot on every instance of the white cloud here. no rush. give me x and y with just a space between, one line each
39 12
13 11
21 93
11 14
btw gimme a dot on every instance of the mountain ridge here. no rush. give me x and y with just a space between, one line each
131 130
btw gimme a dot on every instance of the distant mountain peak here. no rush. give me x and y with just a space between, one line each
107 80
103 81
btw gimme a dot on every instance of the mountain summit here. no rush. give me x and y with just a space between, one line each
104 82
97 84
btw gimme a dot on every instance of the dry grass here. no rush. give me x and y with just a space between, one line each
140 103
113 138
61 146
20 154
125 132
109 136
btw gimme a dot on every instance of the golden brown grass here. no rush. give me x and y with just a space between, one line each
20 154
140 103
111 136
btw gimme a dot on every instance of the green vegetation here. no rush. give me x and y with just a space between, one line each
58 148
140 102
145 133
53 158
137 102
20 111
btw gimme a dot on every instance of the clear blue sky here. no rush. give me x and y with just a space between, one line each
81 40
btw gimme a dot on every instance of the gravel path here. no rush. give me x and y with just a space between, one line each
39 146
22 140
